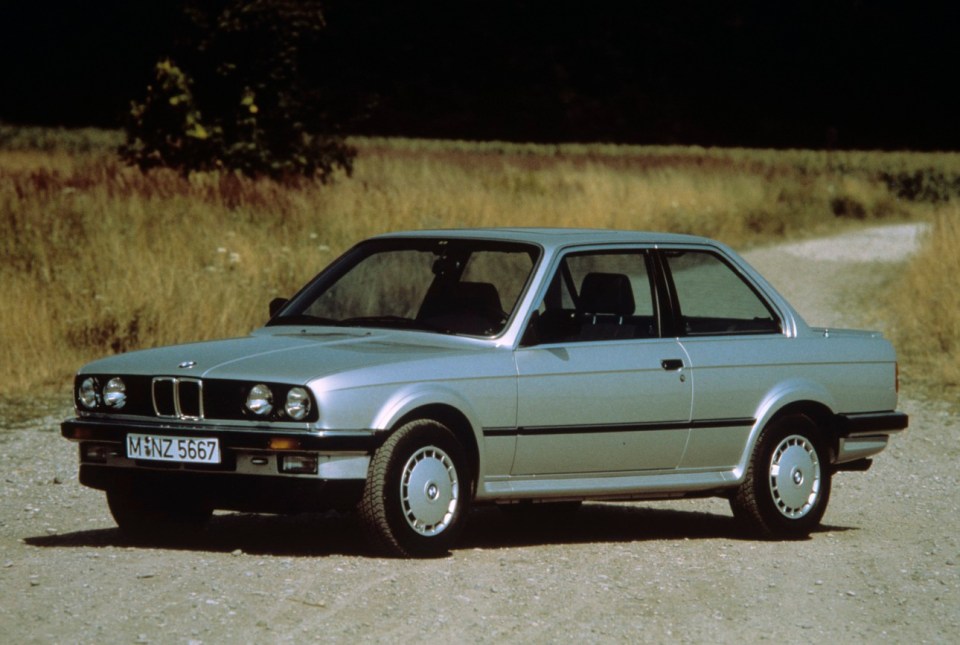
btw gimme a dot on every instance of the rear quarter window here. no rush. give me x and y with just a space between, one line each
713 298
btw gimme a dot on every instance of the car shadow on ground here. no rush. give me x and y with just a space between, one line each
487 528
595 523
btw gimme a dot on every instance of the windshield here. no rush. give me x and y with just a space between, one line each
443 285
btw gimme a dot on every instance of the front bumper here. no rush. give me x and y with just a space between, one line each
231 437
250 468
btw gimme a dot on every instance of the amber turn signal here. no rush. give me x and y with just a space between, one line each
284 443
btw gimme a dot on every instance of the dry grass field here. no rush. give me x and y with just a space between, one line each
98 258
924 306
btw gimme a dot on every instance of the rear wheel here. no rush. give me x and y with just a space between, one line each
146 515
417 492
787 486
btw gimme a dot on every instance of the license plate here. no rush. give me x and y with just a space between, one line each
188 450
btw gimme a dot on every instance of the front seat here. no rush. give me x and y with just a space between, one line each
605 306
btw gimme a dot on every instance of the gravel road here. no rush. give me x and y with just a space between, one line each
885 566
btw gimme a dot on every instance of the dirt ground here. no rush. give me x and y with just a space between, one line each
884 568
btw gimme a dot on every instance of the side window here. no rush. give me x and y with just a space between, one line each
597 296
715 299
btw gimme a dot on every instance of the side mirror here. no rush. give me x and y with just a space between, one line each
276 305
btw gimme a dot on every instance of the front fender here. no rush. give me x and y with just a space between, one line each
419 395
448 406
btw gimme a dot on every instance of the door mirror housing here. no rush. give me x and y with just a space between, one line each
276 305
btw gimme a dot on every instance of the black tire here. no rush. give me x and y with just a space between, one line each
417 493
146 515
787 486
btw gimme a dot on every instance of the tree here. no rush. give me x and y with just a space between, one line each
242 100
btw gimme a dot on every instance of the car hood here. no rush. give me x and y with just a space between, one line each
277 356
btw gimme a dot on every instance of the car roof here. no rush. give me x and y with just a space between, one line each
558 237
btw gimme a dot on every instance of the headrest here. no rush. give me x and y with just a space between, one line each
606 293
477 295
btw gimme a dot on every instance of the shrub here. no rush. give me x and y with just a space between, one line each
241 101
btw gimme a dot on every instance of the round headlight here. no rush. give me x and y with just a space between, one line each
87 393
115 393
298 404
260 400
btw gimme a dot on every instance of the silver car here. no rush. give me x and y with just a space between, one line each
423 372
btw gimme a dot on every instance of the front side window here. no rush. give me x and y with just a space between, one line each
598 296
449 286
715 299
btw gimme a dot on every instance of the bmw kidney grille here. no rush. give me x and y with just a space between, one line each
178 398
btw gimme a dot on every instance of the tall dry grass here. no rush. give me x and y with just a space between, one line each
98 258
924 305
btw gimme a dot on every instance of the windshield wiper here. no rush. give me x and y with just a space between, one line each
386 322
390 322
303 319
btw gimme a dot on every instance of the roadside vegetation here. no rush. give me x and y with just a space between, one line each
99 258
924 306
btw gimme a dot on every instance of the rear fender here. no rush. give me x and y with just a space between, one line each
792 393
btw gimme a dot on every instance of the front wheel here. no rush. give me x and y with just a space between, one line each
417 492
787 486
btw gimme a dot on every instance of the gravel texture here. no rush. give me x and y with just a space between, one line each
884 568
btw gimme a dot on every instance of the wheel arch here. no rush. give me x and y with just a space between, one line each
457 422
822 416
793 398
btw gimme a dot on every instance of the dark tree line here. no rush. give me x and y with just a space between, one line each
844 73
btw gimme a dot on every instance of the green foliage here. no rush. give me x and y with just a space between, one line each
167 130
242 100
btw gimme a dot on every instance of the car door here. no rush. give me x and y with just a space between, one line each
599 389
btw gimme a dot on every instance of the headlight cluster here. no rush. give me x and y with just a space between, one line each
193 399
296 404
112 395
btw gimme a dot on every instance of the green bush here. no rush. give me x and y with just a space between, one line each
241 101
